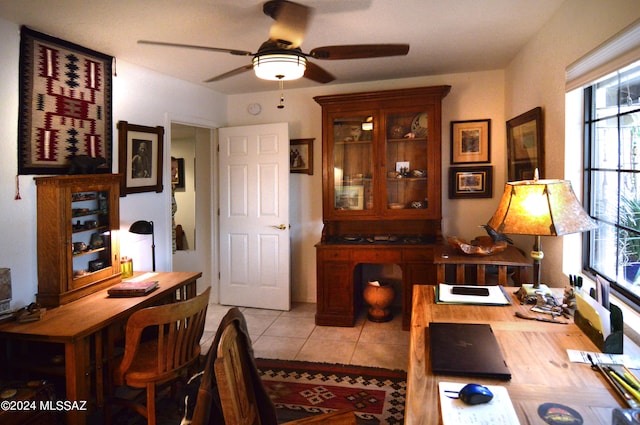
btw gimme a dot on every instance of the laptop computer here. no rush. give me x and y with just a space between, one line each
467 349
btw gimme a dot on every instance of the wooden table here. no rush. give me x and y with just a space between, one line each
88 319
445 255
534 351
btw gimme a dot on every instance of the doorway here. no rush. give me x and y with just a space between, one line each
195 193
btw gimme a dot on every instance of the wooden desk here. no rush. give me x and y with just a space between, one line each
534 351
79 322
511 257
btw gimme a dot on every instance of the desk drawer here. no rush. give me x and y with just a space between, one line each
378 256
334 254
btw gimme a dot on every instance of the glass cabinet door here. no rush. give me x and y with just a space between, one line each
406 160
353 162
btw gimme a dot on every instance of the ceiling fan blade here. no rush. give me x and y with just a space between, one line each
359 51
230 73
291 21
317 74
192 46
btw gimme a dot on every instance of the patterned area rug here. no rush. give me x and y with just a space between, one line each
301 389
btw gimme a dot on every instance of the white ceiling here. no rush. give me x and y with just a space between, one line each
446 36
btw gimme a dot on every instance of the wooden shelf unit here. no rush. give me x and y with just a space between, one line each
381 175
81 209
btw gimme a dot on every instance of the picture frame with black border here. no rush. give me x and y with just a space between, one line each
301 156
471 141
525 145
470 182
178 183
140 150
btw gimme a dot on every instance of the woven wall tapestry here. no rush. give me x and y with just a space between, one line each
65 105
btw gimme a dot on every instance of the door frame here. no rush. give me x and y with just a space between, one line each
210 276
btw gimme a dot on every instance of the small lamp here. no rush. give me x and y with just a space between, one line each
142 227
539 208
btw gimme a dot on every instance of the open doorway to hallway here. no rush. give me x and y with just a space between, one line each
196 198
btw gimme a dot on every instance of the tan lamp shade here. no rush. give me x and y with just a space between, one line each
541 208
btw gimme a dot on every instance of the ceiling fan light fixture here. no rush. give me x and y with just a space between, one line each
279 66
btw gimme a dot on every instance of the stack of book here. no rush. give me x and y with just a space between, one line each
133 288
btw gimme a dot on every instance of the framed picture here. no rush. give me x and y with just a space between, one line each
470 141
470 182
178 182
349 197
301 156
139 158
525 145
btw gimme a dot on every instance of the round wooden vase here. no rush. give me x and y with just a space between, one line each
379 296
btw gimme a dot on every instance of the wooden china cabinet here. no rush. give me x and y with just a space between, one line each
381 193
78 246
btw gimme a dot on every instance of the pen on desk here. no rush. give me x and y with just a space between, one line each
593 364
628 375
619 387
624 383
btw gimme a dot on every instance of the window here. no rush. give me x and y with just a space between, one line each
612 178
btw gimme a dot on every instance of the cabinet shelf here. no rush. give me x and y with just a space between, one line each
98 229
354 142
407 179
86 213
406 140
88 251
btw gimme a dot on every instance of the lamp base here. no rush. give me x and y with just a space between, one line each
527 293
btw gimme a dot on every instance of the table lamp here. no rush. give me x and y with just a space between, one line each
539 208
142 227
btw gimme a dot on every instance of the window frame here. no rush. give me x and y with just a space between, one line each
593 166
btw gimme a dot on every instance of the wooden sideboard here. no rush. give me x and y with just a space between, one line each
340 284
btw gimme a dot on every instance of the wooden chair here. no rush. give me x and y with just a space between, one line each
243 398
177 329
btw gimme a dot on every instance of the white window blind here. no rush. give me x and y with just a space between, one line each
615 53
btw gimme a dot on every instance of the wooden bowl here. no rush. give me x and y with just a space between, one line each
482 245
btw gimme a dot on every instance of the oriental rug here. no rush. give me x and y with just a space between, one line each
301 389
65 104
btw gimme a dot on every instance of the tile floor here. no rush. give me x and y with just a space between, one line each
293 335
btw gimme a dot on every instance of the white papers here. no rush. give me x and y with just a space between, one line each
497 412
576 356
496 295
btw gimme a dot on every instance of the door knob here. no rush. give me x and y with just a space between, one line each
280 227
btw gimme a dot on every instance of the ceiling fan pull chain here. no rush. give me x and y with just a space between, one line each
281 104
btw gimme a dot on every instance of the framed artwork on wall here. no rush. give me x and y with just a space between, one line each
525 145
470 182
65 110
470 141
178 182
301 156
140 158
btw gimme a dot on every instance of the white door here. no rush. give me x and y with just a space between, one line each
254 216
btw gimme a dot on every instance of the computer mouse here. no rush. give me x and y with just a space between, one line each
475 394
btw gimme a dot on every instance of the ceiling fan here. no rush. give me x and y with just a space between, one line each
280 58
